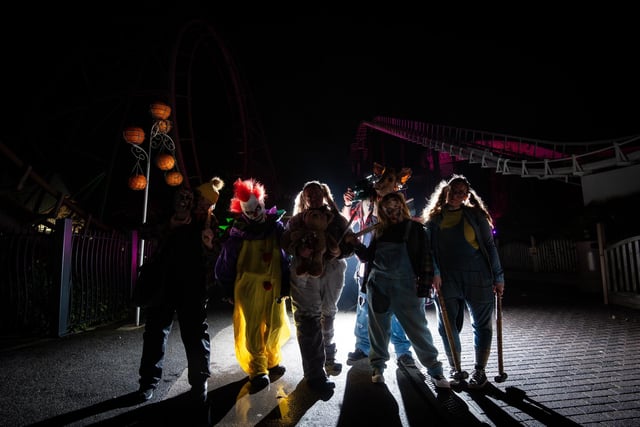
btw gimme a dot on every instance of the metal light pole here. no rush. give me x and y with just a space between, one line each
161 143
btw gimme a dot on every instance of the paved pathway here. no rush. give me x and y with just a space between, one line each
567 363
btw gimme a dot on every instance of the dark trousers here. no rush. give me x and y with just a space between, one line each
194 334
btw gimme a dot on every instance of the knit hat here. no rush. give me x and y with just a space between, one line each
210 190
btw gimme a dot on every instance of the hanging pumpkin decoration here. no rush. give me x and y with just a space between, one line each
133 135
164 126
173 178
165 161
137 182
160 111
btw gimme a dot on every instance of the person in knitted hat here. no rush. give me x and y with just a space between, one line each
187 249
210 191
256 268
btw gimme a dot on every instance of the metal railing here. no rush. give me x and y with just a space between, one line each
623 266
66 282
549 256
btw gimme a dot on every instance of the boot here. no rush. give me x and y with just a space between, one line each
331 367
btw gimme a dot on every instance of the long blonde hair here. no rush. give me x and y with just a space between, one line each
300 204
438 199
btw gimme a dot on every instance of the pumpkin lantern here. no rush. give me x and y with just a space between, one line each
173 178
160 111
137 182
165 161
133 135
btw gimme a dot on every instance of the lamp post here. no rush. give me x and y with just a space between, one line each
160 143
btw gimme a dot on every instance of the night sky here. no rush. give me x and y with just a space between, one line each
308 81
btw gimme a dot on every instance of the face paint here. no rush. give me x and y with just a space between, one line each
253 209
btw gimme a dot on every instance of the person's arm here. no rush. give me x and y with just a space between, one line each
363 252
349 206
226 265
424 262
285 285
431 230
339 228
487 241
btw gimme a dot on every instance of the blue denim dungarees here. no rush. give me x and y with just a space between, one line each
391 290
466 279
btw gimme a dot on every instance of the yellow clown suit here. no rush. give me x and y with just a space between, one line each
255 267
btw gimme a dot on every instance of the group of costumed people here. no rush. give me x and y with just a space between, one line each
259 261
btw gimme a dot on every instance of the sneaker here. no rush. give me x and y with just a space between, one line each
478 379
259 382
378 376
277 370
144 394
321 384
407 361
440 381
332 367
356 355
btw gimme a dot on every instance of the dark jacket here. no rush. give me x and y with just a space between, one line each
176 270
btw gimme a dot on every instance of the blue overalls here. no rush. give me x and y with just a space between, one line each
466 279
391 290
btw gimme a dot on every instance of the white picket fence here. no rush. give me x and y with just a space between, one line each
620 261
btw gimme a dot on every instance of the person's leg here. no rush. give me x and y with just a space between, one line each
401 343
361 330
154 344
305 301
379 330
452 292
252 306
409 309
331 285
197 342
480 298
278 333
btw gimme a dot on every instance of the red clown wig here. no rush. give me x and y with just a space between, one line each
242 191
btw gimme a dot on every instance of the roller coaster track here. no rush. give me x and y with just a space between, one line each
510 155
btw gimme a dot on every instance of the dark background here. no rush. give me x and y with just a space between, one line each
307 81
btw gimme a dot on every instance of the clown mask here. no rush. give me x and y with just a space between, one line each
253 209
